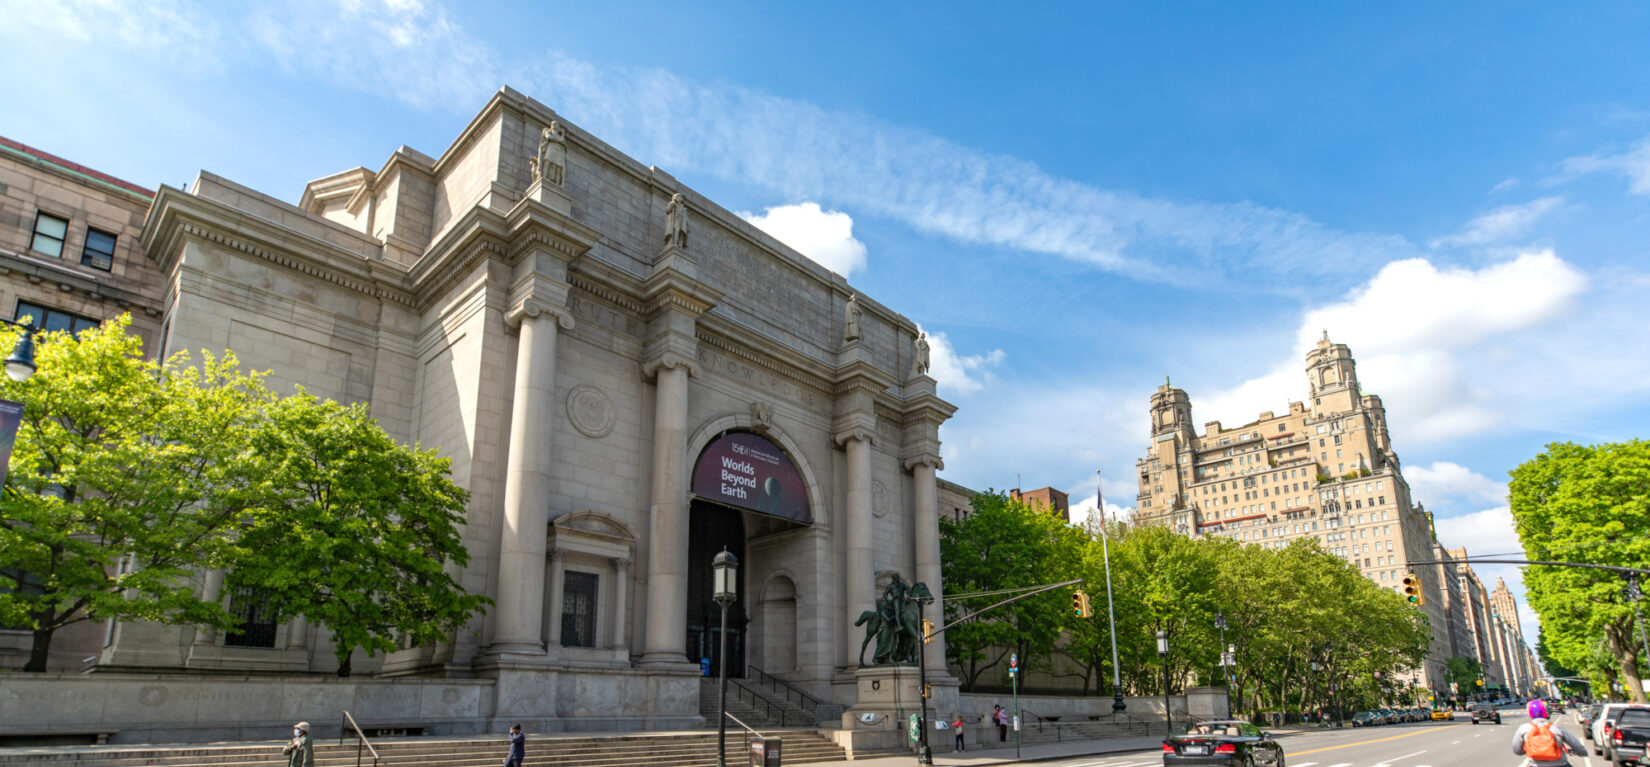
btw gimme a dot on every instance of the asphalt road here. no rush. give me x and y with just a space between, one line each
1431 744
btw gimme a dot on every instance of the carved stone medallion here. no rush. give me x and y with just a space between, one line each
590 411
879 499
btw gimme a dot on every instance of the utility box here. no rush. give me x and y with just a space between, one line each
765 752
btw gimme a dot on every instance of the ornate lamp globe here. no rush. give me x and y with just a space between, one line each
725 568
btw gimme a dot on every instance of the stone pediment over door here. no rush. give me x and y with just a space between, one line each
592 524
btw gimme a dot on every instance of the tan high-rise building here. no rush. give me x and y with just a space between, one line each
1323 469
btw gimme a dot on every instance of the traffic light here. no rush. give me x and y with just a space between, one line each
1412 590
1080 604
927 631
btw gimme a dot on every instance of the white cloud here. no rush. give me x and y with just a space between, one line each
1507 184
1503 223
1083 509
1421 336
1430 484
166 29
1632 163
797 150
962 374
826 236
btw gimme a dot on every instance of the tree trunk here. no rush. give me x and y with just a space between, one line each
40 651
344 664
1622 648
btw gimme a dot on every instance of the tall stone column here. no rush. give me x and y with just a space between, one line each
860 583
668 527
520 616
211 591
925 523
621 605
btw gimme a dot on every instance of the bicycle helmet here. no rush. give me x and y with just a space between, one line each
1537 709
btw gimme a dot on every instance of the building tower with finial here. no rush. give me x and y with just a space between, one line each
1324 469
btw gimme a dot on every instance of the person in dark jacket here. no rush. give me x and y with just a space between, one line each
518 747
300 752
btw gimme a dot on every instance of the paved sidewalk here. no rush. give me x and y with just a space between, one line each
1038 753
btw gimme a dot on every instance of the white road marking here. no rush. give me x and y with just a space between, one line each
1455 742
1307 764
1342 764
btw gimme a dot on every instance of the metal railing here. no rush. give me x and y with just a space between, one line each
360 739
768 705
805 701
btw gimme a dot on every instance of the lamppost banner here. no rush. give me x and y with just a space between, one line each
11 414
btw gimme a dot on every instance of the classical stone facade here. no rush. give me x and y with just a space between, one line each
578 332
1324 470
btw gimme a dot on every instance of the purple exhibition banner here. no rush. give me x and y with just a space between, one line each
11 415
747 471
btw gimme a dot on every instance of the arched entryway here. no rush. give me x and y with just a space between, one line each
745 486
711 528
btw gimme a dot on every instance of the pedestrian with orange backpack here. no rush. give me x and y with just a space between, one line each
1543 743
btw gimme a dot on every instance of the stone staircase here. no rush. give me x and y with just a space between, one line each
635 750
759 708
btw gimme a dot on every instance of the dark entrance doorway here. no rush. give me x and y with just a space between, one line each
710 528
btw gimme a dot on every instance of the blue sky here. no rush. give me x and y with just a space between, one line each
1087 197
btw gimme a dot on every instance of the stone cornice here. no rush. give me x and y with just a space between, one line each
70 279
671 290
177 216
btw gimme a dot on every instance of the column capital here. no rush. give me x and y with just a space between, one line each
669 359
532 308
620 564
924 459
847 434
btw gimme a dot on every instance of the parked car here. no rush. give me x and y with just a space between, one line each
1443 715
1605 720
1584 719
1628 737
1222 742
1484 712
1422 713
1365 719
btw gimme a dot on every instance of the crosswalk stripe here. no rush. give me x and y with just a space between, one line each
1307 764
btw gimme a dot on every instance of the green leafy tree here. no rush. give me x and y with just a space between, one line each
360 534
126 477
1005 544
1593 504
1464 673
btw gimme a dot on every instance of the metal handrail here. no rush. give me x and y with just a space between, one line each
360 740
768 706
773 681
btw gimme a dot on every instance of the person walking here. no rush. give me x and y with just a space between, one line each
1543 743
957 725
300 751
518 747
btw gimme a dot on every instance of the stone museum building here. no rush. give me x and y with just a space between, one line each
627 377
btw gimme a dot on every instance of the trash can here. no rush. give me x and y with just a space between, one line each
765 752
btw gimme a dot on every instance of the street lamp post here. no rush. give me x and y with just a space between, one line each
1316 667
1334 700
1380 688
1226 659
925 755
725 569
1163 652
20 365
1117 704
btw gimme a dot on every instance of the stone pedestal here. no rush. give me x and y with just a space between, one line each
551 195
878 720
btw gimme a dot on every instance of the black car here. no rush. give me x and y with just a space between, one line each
1484 712
1365 719
1222 742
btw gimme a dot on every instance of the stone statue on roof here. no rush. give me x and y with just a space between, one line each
676 223
549 163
